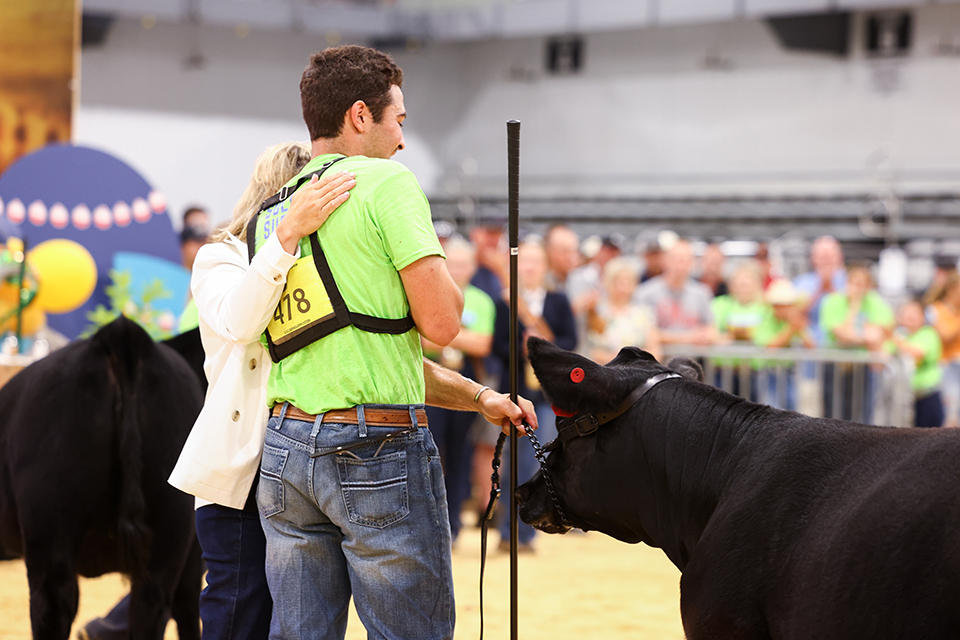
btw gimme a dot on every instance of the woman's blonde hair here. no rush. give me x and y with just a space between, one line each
275 167
618 265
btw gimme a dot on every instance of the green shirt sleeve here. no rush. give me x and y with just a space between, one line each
190 318
402 216
877 310
720 307
479 312
768 329
928 372
833 311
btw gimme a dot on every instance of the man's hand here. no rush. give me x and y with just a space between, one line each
498 409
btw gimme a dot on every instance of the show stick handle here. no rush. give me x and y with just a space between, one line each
513 177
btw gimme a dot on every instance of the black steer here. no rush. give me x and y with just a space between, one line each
88 436
783 526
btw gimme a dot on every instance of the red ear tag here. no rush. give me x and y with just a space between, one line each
577 375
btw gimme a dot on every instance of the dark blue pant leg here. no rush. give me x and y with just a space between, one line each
236 603
928 411
113 626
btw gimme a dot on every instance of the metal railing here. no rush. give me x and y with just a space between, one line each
863 386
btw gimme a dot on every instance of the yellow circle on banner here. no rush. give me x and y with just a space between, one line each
66 272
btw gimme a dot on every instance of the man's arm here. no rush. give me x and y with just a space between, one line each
450 390
472 343
436 301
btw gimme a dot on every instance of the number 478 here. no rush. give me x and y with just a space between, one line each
299 297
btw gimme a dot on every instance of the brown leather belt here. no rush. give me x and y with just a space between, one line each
372 416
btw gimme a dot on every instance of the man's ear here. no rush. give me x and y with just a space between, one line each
358 116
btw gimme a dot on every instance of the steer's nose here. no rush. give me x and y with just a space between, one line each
523 492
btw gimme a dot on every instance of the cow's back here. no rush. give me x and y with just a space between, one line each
55 441
857 524
63 449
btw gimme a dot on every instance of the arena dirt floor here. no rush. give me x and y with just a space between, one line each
584 586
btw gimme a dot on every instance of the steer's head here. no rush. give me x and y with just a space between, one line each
581 469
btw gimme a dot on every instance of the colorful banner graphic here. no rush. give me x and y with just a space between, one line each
39 43
97 201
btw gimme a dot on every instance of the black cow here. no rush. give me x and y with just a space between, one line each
783 526
88 436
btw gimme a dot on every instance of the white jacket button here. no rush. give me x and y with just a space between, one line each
236 416
253 364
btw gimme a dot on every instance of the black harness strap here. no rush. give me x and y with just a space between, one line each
583 425
341 316
279 197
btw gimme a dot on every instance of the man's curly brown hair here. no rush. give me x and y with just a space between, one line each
336 78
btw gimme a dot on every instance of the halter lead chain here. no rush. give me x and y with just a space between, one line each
541 455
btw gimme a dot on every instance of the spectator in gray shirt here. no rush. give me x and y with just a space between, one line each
680 304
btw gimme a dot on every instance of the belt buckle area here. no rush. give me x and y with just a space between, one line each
585 425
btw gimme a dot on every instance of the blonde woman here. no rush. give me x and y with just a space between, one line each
618 321
220 460
236 298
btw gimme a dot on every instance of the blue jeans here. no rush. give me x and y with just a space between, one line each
236 603
371 522
113 626
527 467
928 410
450 430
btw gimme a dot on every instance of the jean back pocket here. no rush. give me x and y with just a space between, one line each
270 493
374 490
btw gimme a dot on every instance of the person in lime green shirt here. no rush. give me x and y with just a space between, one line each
857 318
451 429
351 493
921 343
737 316
784 325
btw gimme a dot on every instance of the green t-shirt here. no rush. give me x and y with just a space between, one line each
479 314
768 329
835 307
734 317
928 373
383 227
740 320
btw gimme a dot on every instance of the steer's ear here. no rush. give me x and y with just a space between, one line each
631 354
571 382
687 368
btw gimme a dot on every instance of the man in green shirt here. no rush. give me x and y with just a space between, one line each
351 489
858 318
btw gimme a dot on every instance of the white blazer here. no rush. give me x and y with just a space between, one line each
235 299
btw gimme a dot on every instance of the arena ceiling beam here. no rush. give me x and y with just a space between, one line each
468 20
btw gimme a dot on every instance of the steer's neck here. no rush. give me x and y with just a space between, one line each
693 437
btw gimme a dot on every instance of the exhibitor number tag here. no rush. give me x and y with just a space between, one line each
303 303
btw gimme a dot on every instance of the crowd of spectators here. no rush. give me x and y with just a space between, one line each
592 296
